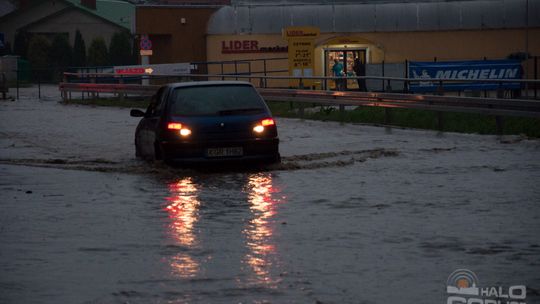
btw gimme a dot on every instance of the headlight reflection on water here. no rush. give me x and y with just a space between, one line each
259 232
259 257
183 208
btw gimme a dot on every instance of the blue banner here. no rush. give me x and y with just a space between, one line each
470 70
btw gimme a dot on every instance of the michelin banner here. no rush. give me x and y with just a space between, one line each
470 70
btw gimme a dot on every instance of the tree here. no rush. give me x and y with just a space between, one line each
38 52
97 52
6 49
20 44
60 52
120 48
38 55
135 52
79 50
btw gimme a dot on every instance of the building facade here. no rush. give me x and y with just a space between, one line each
376 31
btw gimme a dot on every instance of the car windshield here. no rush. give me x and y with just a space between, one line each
216 100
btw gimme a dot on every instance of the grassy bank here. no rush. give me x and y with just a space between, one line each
411 118
138 103
408 118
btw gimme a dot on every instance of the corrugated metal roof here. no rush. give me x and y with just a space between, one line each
259 17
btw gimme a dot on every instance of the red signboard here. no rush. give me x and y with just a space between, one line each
129 71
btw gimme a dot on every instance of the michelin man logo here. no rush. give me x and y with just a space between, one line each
425 77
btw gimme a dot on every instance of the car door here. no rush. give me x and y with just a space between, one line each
149 125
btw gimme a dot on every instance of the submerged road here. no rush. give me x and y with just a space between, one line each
355 214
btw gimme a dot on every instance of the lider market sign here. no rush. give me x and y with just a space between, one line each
249 46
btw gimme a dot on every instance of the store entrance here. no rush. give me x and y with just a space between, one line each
346 58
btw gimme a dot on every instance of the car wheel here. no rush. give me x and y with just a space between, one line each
137 150
276 159
158 155
161 155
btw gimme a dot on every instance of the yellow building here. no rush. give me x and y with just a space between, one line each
392 32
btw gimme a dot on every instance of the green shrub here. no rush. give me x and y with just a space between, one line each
38 52
79 50
97 53
120 49
20 44
60 52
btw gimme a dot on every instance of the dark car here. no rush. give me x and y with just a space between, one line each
207 121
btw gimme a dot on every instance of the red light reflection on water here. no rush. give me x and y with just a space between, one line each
183 209
259 231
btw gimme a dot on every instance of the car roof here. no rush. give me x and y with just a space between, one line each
207 83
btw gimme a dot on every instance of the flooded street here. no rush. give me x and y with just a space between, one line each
354 214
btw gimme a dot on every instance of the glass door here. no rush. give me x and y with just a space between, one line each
346 58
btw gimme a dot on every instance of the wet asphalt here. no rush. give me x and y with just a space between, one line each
355 214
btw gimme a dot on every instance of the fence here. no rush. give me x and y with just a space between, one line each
383 77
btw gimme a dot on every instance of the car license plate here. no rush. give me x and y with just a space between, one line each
224 152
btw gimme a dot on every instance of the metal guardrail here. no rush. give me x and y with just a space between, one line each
96 88
486 106
497 107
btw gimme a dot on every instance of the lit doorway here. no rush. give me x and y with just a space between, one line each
346 57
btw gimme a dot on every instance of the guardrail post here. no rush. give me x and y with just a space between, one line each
222 77
121 94
93 80
39 85
499 120
249 70
440 88
406 83
17 84
500 91
382 67
62 90
440 121
536 77
387 116
3 84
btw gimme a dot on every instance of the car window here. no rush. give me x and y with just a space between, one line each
216 100
160 101
156 102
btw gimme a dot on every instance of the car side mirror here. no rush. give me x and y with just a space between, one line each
136 113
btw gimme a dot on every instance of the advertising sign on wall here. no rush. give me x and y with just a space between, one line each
301 52
479 70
